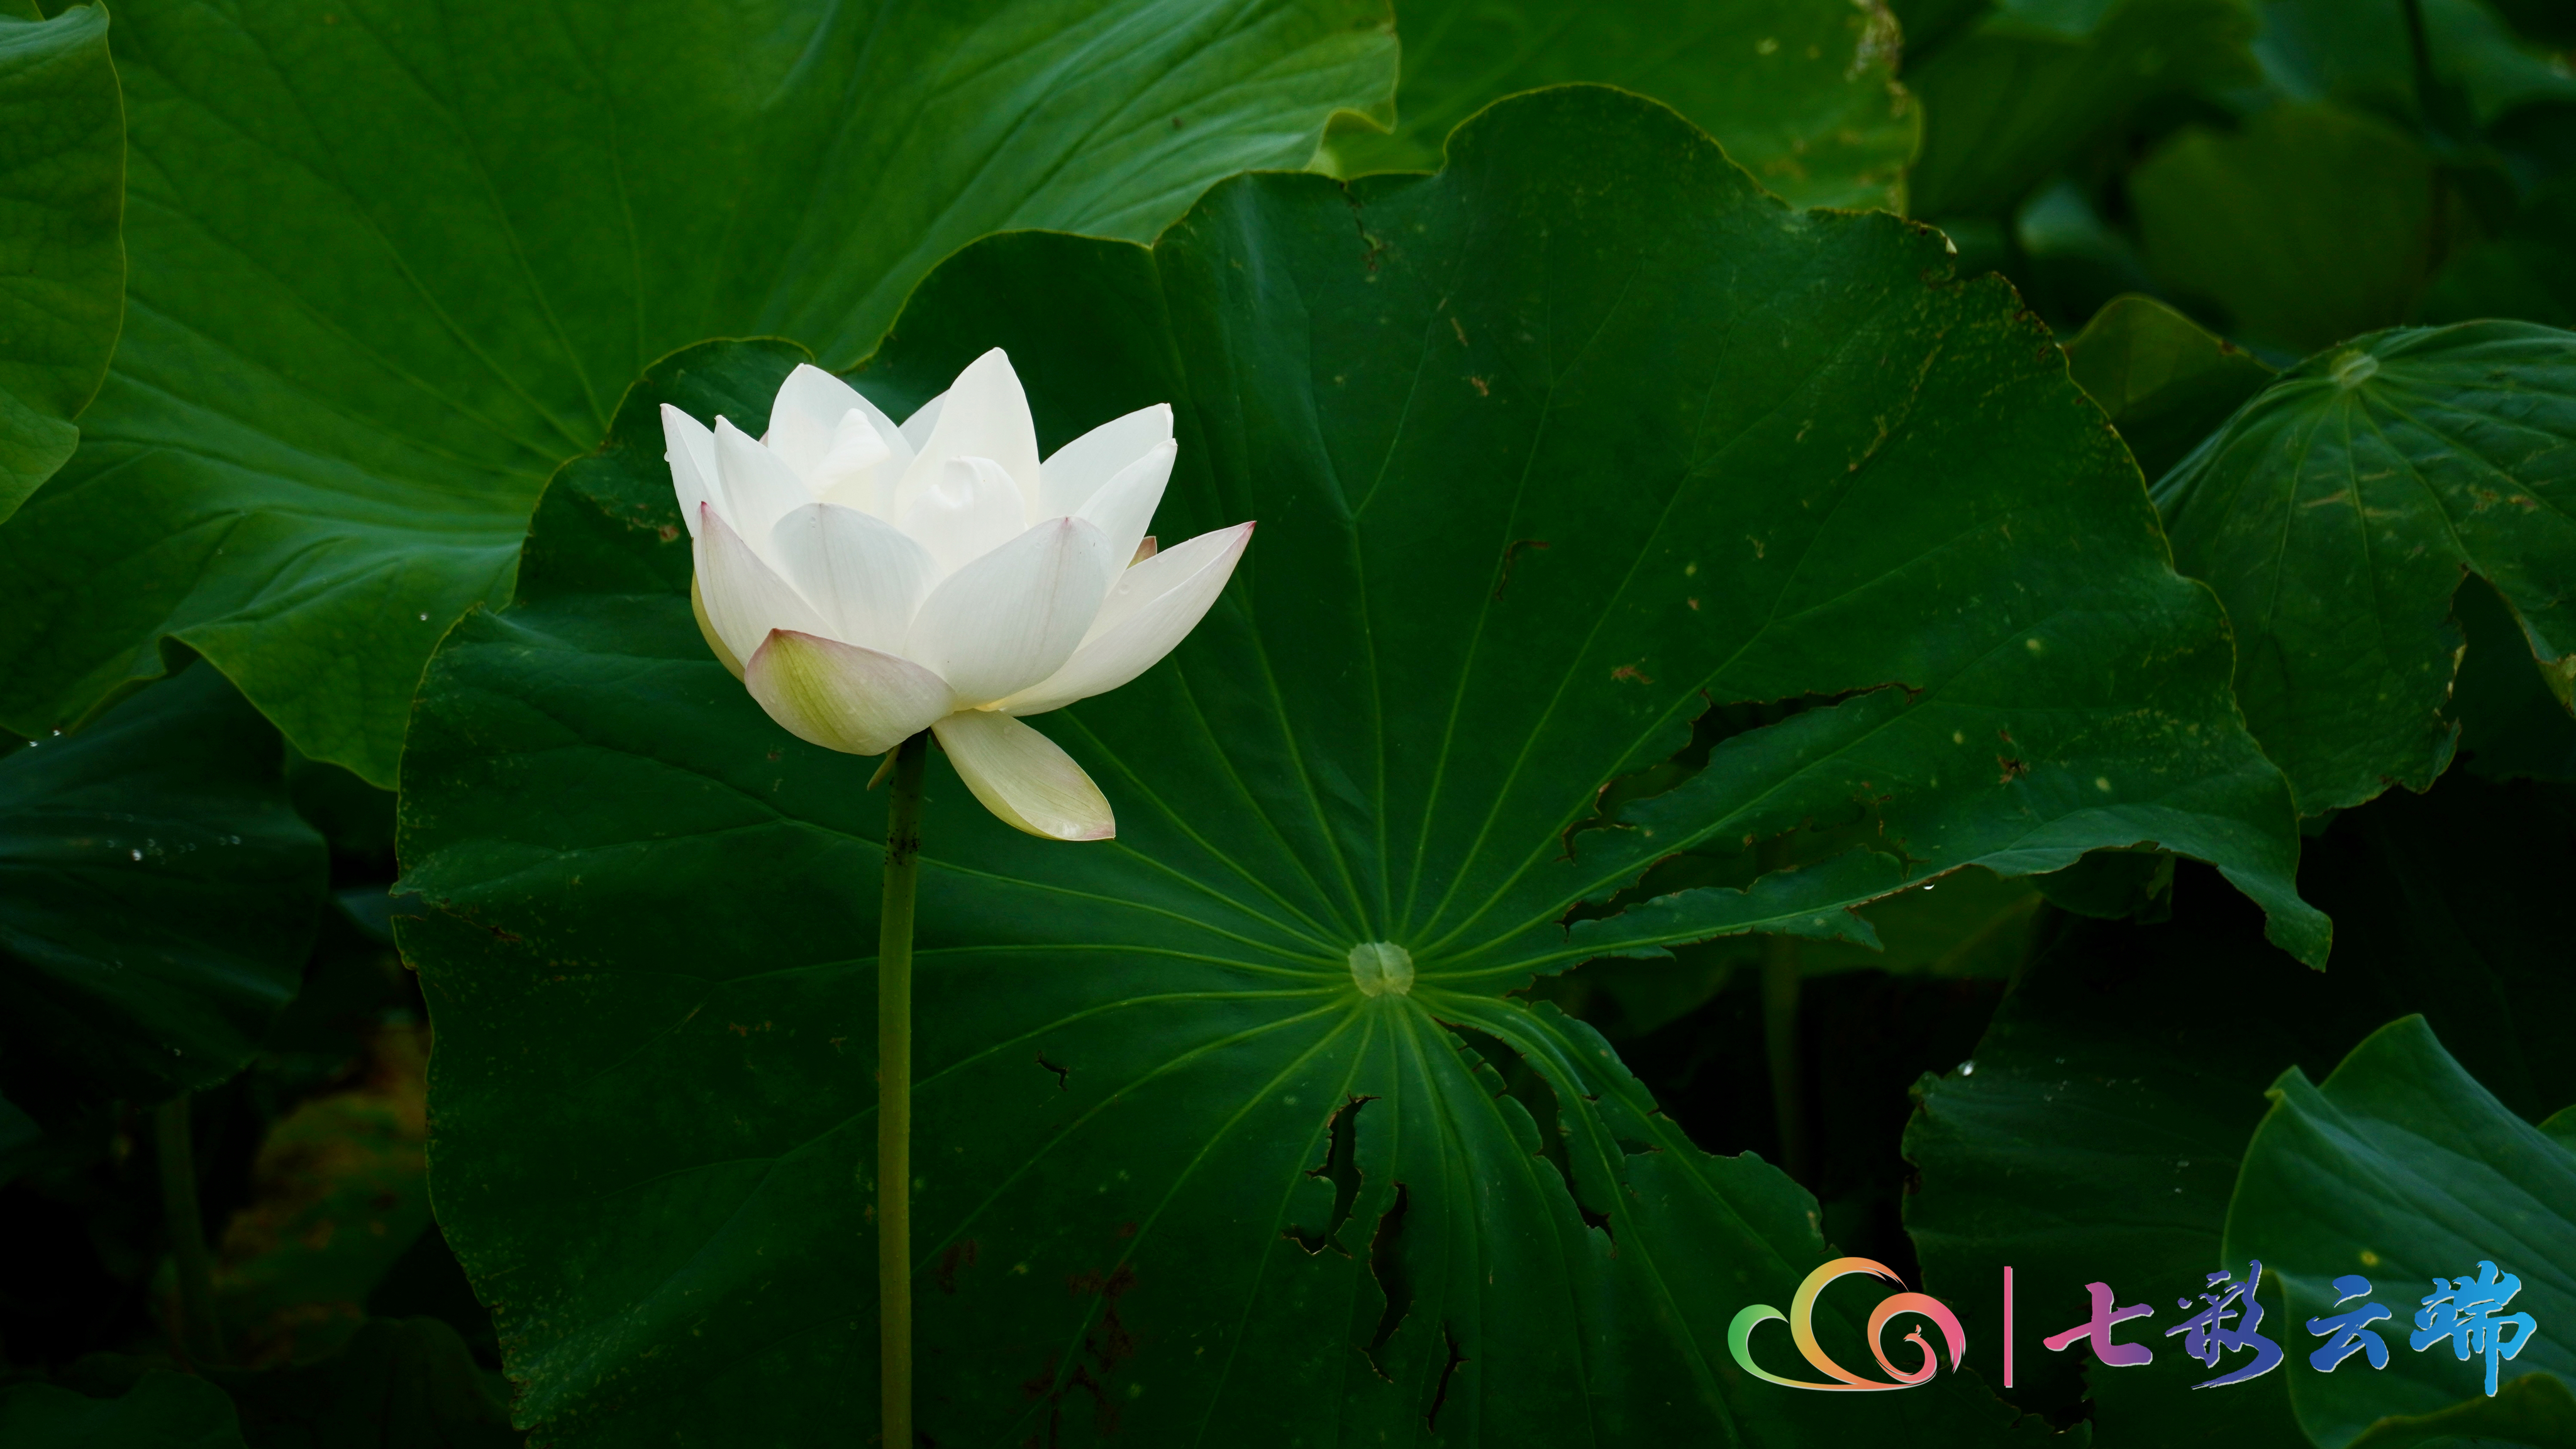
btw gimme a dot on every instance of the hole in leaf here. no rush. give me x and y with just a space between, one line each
1715 726
1448 1372
1063 1075
1386 1264
1522 1083
1341 1168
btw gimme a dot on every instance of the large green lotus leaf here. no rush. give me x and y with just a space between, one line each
1802 93
2009 102
1549 451
2165 382
392 262
2402 1170
62 266
2308 225
2096 1133
2337 513
157 898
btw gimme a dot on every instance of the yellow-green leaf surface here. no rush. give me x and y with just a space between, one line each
1183 1178
62 266
392 262
1802 93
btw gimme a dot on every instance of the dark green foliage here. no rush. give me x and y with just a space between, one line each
2402 1169
157 898
62 188
161 1410
1748 663
1385 733
2165 382
2099 1133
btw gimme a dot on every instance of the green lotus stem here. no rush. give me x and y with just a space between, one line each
894 1093
1780 984
199 1336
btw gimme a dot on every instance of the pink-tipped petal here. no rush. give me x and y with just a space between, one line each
1024 778
744 597
1124 507
1081 467
841 696
861 573
707 630
691 451
759 488
982 415
1149 612
1013 617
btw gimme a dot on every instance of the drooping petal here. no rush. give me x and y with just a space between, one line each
1123 507
1012 617
975 509
860 572
1151 609
1023 777
759 488
1079 468
744 597
982 415
707 630
691 451
841 696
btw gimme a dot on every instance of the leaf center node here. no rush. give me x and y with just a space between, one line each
1381 967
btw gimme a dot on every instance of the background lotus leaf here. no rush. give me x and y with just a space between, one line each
390 263
62 266
2337 514
157 898
1802 93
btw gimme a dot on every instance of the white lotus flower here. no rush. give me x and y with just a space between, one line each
867 581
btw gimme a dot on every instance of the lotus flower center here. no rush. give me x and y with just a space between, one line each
1381 967
2354 368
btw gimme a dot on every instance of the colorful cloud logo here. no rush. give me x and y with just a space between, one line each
1801 1316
